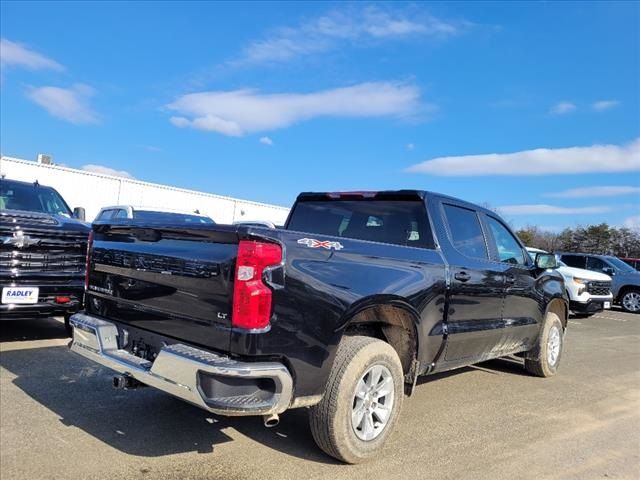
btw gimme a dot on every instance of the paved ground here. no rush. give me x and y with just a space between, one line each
60 418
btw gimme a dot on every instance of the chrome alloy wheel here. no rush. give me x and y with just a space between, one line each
372 402
553 345
631 301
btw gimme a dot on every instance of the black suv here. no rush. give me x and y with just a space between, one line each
43 248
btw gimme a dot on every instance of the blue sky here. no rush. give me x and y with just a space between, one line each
533 107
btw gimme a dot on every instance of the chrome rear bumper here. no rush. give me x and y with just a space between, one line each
180 369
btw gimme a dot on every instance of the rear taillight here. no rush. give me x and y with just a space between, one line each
251 297
88 260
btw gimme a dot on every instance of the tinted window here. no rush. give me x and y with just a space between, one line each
105 214
576 261
120 213
400 222
509 250
466 233
32 198
171 217
594 263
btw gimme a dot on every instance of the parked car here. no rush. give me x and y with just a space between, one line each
589 292
625 279
148 214
634 262
339 311
42 252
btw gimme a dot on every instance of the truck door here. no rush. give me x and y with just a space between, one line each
523 302
474 316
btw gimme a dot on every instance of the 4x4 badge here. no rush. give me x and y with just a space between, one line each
313 243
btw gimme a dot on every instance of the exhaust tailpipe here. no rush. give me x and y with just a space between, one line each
271 420
123 382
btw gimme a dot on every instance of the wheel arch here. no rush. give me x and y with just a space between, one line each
560 307
392 320
624 289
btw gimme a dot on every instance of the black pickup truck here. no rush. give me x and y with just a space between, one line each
339 311
42 252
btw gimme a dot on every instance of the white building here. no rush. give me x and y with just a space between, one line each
94 191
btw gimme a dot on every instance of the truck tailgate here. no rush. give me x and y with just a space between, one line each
175 282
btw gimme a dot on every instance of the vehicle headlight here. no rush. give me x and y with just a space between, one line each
580 281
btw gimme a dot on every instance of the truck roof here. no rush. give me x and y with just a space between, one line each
404 194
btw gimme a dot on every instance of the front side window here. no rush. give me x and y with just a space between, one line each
466 232
595 264
508 248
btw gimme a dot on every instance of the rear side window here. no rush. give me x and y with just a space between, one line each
105 214
576 261
400 222
466 233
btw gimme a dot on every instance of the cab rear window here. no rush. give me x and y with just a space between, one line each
398 222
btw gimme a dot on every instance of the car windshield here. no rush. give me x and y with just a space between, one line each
620 265
32 198
152 216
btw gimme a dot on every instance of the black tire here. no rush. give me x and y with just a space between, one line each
537 361
625 302
67 326
330 420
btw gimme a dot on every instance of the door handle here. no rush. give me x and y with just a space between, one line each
510 278
462 276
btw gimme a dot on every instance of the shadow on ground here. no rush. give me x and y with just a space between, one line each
31 329
143 422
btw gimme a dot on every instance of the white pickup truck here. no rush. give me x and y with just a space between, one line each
589 292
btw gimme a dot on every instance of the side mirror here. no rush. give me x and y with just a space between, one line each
79 213
546 260
609 271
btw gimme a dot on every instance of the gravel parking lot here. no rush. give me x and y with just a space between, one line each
60 418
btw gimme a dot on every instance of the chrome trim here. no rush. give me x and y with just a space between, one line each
175 369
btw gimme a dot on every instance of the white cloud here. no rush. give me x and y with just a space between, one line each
410 146
562 108
602 105
14 54
345 26
101 169
266 141
541 161
542 209
604 191
70 104
239 112
151 148
632 223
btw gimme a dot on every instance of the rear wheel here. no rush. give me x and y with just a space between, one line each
630 301
544 359
362 400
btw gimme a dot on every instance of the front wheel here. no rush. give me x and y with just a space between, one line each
631 301
362 400
544 359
